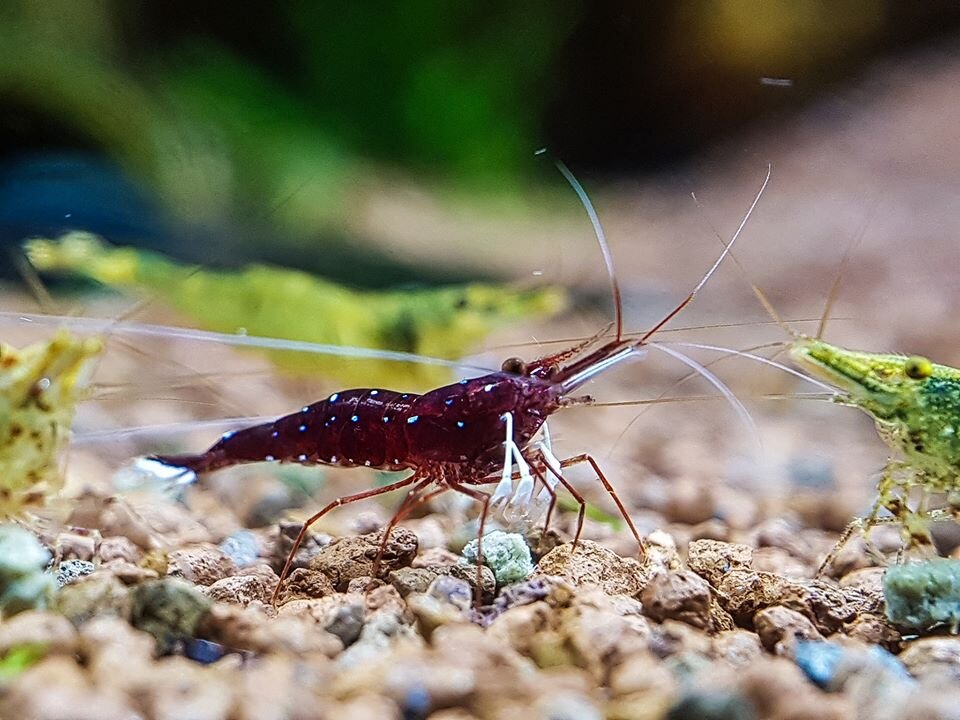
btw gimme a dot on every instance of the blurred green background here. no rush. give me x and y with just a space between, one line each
229 132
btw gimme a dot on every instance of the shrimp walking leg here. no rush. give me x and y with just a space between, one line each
414 499
484 498
554 467
347 499
585 458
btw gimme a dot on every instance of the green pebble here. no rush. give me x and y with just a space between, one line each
505 553
23 582
924 595
20 552
169 609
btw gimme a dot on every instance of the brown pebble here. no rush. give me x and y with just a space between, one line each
93 596
410 580
249 629
875 630
713 559
128 573
74 546
200 564
779 690
681 595
305 583
434 557
239 590
934 658
347 558
118 547
779 627
33 627
737 648
593 564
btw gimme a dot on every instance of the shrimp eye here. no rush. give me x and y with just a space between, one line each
918 368
514 366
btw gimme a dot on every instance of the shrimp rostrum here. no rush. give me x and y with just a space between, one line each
459 437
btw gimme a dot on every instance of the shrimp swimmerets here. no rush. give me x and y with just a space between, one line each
456 437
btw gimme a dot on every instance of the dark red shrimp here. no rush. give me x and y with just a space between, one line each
453 438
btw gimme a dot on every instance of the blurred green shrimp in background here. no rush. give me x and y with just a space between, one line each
443 322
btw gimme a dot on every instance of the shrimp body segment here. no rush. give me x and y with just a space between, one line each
458 429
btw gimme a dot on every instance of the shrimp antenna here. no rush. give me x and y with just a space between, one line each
760 295
726 251
835 286
601 240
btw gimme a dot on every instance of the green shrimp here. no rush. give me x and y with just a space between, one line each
915 404
40 386
288 304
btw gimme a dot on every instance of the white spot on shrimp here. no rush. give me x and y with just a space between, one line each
333 458
333 398
488 388
305 408
460 423
303 428
333 418
269 458
367 463
301 457
374 393
464 381
405 396
275 434
354 418
227 435
386 418
412 419
396 461
448 402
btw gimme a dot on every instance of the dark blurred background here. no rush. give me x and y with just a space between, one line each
225 132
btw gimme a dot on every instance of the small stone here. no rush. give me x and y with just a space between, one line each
283 543
505 553
346 623
118 547
452 590
23 584
241 547
348 558
201 564
128 573
738 648
53 633
169 609
410 580
435 557
239 590
681 595
71 570
305 583
93 596
76 546
924 595
432 612
829 664
485 586
247 629
934 658
711 705
713 559
780 627
874 630
593 564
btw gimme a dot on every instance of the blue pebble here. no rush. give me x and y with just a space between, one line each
818 660
242 548
203 651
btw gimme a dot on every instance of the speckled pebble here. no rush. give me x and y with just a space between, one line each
71 570
934 658
352 557
200 564
239 589
593 564
93 596
713 559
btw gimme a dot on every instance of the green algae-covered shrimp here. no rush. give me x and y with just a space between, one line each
40 386
915 404
278 302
